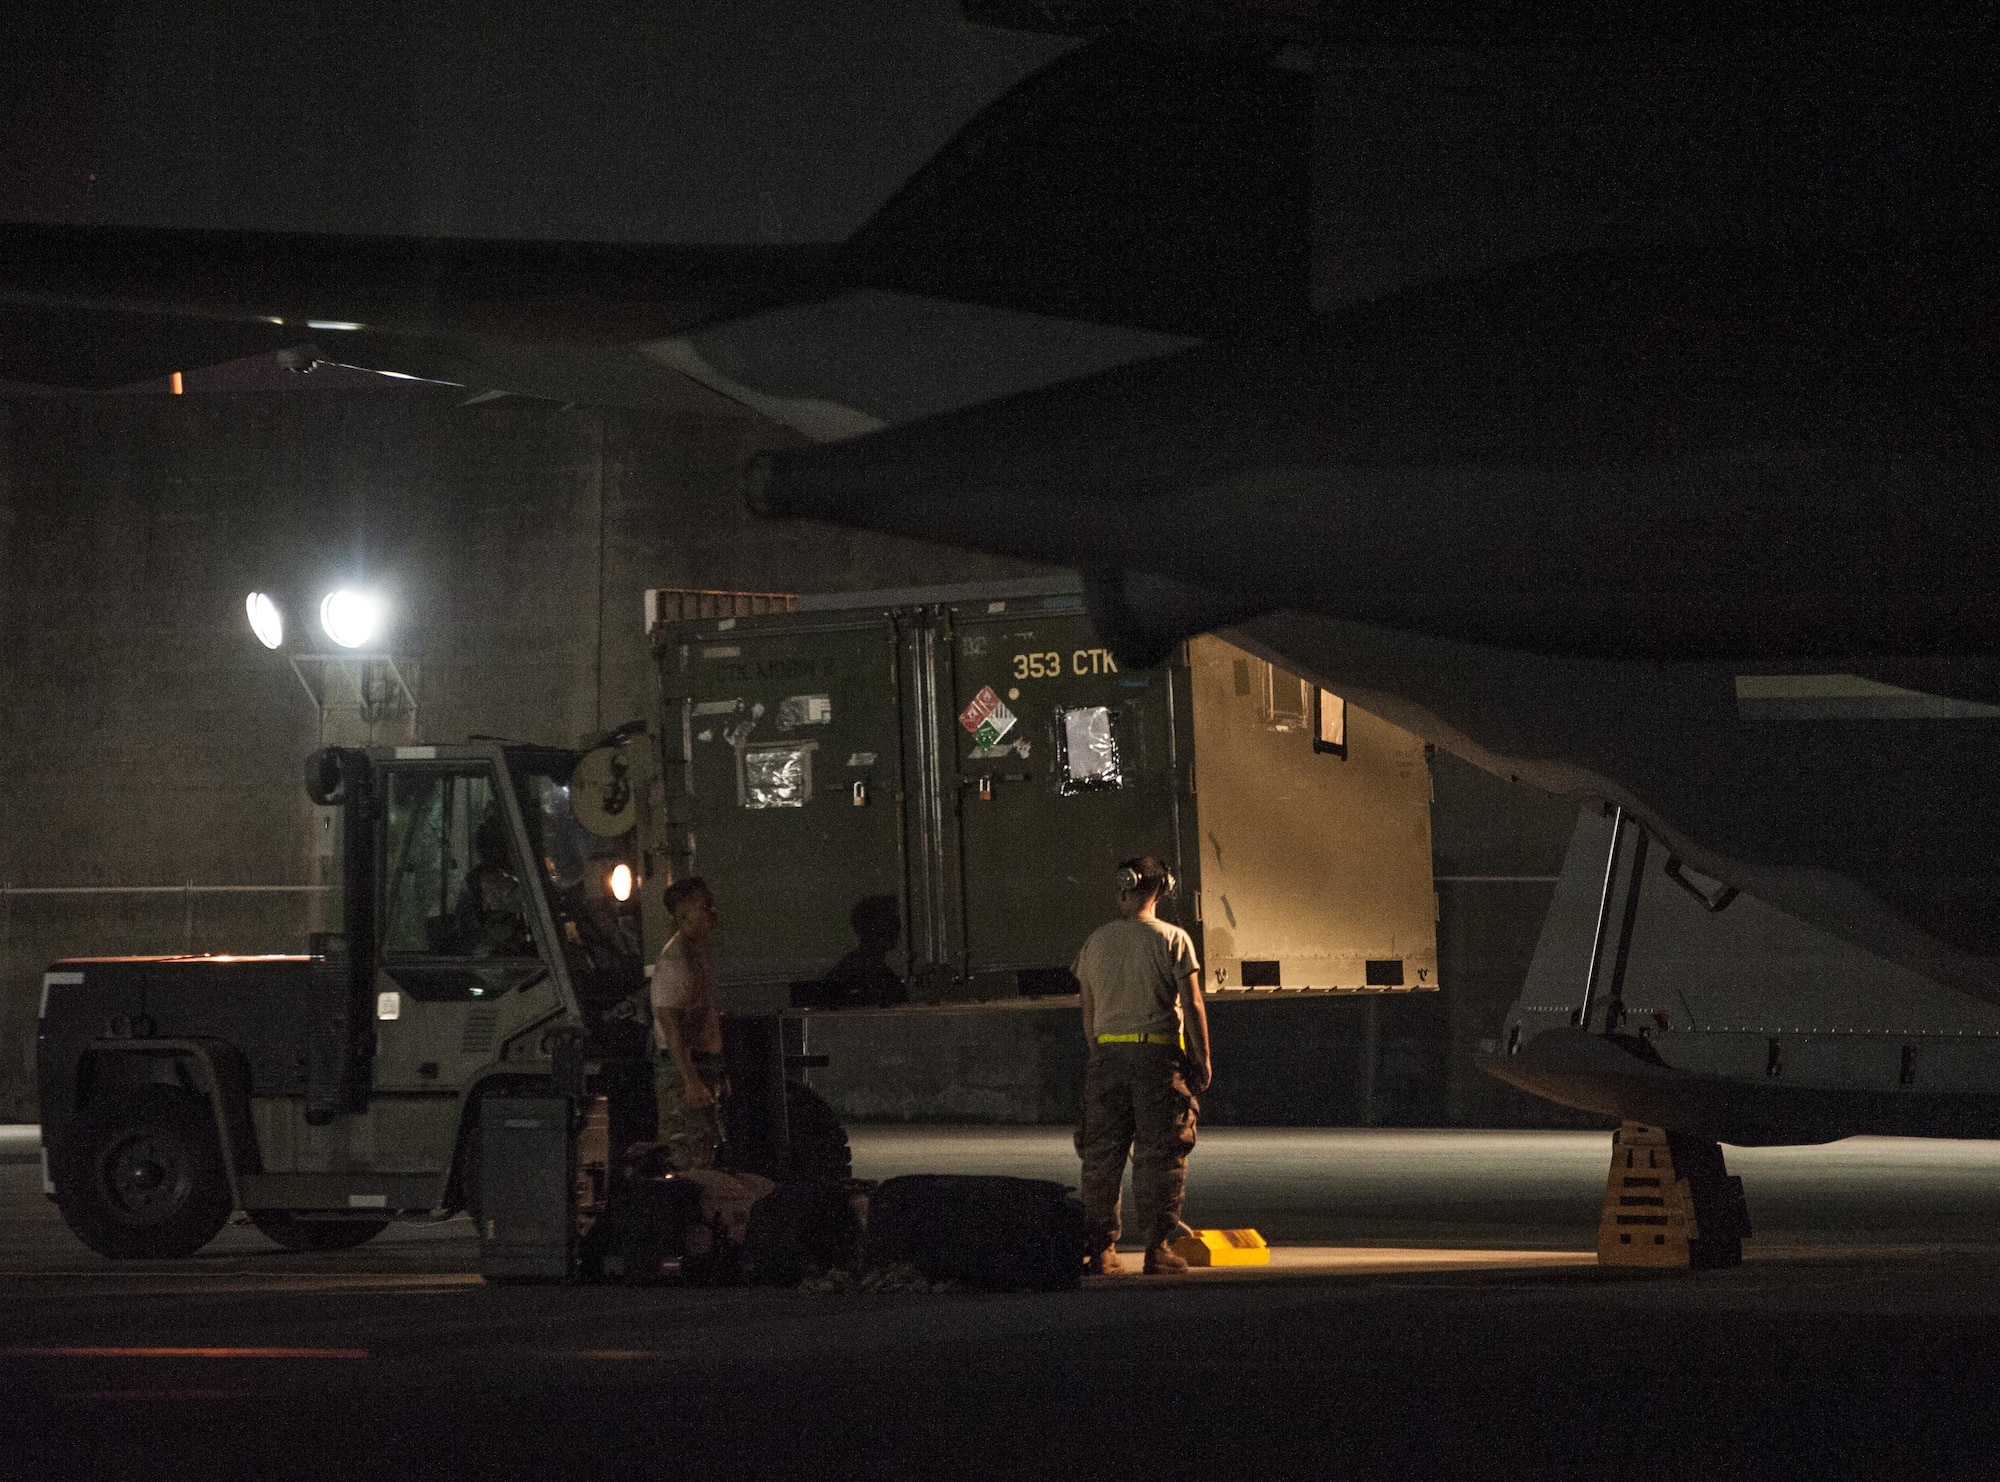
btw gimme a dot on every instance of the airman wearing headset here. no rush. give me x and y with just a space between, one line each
1147 1034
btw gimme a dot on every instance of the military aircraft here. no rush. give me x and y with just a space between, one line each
1607 399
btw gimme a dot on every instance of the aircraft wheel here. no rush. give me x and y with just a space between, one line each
141 1175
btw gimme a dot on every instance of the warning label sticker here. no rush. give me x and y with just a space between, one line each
996 725
983 704
986 717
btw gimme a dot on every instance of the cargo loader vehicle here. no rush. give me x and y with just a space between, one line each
473 1039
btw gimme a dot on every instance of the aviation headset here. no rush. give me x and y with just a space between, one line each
1130 880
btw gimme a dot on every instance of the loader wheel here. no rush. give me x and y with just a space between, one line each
141 1175
293 1233
819 1142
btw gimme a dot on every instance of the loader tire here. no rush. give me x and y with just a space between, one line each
140 1175
819 1142
293 1233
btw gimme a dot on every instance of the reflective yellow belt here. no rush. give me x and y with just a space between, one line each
1175 1040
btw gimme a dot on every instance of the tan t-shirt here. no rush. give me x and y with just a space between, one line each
683 989
1131 972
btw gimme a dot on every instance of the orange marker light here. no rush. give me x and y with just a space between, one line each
175 381
620 881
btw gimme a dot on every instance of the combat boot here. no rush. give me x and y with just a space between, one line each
1105 1262
1161 1261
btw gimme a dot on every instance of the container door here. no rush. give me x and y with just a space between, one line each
1315 828
789 803
1065 764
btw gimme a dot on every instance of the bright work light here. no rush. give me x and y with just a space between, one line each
350 618
265 619
621 882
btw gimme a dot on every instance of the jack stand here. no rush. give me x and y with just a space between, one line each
1670 1203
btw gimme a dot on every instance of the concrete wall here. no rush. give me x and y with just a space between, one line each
151 742
1363 1060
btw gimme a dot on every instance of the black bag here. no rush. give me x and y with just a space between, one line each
644 1225
800 1230
1003 1234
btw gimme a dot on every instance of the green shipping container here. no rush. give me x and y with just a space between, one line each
923 796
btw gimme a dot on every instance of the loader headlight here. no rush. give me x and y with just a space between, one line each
350 618
265 620
620 882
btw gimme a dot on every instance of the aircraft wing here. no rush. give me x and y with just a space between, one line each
1701 535
91 306
1126 201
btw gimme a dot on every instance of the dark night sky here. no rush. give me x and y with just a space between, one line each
703 120
51 77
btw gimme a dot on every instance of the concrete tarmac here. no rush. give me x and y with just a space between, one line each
1854 1341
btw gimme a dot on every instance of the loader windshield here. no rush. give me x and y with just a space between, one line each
452 887
600 932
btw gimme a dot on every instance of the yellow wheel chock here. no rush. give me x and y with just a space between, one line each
1223 1248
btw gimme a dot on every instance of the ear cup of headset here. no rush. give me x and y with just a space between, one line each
1130 880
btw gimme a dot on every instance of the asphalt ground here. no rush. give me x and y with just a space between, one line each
1855 1340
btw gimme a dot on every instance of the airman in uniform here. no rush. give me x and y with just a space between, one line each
1147 1036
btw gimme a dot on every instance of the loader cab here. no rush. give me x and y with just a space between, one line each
488 889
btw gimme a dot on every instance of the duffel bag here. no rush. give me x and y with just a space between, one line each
713 1253
1002 1234
800 1230
644 1224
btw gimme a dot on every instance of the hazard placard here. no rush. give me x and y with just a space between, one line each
986 717
983 704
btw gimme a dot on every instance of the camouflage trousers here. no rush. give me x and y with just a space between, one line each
1136 1106
693 1134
